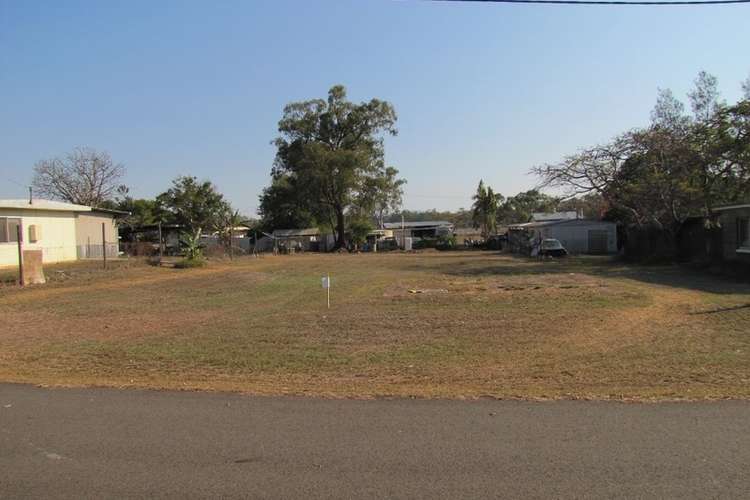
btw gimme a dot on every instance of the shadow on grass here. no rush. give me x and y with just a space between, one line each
721 310
496 264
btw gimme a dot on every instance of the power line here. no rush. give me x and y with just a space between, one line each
15 182
608 2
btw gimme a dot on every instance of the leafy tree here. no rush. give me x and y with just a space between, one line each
725 156
461 217
383 194
519 208
655 182
331 151
661 175
84 177
197 206
282 206
704 98
359 229
746 89
484 210
142 212
668 112
590 206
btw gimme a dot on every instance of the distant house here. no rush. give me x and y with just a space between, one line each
728 242
307 239
144 239
62 231
556 216
576 235
735 232
419 229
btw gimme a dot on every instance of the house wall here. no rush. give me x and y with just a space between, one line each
57 231
88 230
728 221
575 236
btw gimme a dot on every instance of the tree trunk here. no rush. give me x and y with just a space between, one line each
340 229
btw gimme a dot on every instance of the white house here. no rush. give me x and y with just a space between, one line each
576 235
63 231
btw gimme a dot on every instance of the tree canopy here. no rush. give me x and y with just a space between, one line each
679 166
196 205
330 161
484 210
519 208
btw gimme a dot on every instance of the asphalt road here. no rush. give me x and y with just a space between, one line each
100 443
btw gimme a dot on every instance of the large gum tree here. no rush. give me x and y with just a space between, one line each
332 152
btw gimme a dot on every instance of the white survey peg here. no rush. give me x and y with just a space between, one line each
326 280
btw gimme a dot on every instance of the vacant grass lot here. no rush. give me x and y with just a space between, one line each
479 324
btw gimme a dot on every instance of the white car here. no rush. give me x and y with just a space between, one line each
553 248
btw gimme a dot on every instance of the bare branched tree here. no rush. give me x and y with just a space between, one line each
590 170
84 176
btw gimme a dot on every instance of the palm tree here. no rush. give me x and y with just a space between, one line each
484 210
227 221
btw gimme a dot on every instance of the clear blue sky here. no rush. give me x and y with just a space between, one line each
482 90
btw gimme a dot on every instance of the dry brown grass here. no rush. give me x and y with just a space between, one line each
464 324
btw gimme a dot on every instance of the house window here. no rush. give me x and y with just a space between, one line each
743 233
9 229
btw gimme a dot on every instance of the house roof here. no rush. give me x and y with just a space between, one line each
44 205
570 222
290 233
548 216
57 206
111 211
418 224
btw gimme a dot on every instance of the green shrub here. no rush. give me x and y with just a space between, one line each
191 246
446 243
424 243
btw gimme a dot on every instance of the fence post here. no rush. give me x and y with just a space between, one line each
104 247
231 243
21 276
161 251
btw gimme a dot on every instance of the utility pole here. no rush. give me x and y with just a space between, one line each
104 247
19 237
403 239
161 252
231 242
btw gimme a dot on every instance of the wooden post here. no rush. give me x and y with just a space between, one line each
161 251
104 247
19 235
403 234
231 243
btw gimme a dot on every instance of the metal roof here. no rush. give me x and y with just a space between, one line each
111 211
548 216
418 224
290 233
570 222
44 205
